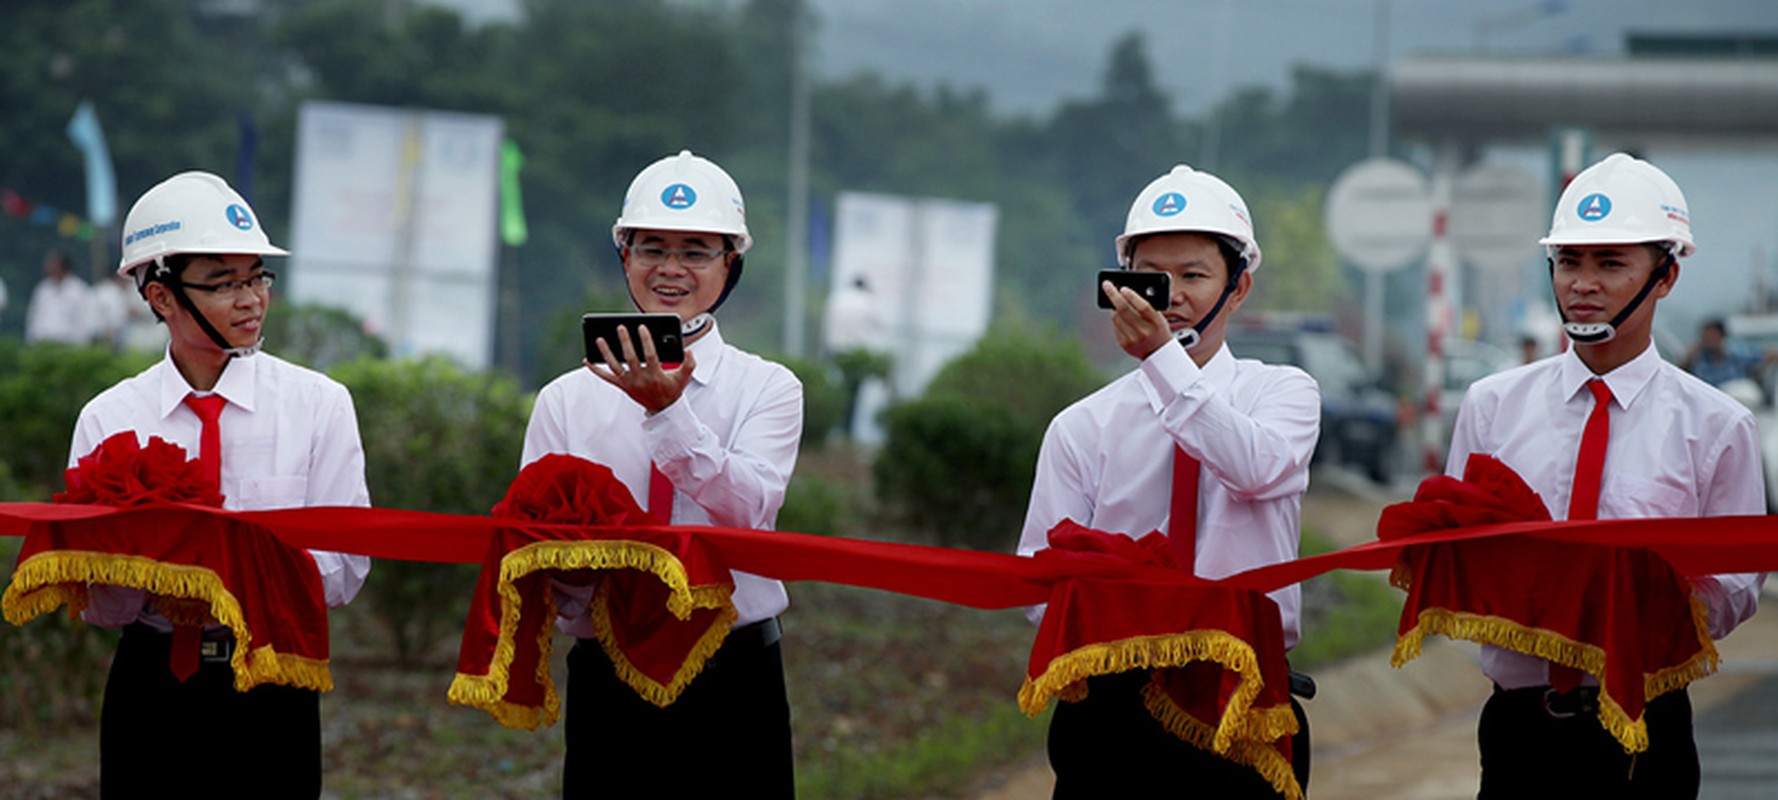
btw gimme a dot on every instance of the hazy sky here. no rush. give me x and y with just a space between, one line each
1032 54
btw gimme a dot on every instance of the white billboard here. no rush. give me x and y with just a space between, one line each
394 219
912 277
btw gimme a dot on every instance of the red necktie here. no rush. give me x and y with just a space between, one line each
209 409
183 659
660 496
1183 515
1583 502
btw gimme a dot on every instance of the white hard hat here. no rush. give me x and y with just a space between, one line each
1188 201
192 212
1621 200
684 193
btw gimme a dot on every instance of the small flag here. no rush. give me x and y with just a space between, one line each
13 204
513 230
244 157
101 181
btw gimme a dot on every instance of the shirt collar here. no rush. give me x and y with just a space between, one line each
236 384
1220 369
708 349
1625 382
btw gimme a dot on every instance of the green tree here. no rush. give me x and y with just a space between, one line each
320 336
1299 270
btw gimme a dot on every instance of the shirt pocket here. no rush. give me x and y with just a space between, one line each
274 492
1628 496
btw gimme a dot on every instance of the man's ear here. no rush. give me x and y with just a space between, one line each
160 298
1666 283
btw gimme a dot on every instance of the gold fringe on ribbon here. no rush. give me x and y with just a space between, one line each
488 692
50 579
1066 676
1255 752
1554 647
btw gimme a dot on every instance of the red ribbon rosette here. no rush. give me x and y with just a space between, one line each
1215 652
200 566
121 472
1621 614
661 608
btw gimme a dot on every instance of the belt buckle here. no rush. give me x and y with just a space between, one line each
214 650
1567 705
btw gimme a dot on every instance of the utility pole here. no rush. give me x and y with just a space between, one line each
796 227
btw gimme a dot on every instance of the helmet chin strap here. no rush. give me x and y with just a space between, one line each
1189 338
183 297
696 325
1602 332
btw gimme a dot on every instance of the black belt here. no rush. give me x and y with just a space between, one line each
218 648
763 633
1581 700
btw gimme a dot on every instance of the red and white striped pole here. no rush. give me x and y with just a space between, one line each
1441 270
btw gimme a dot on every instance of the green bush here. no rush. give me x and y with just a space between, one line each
42 389
824 401
436 438
55 666
958 462
814 505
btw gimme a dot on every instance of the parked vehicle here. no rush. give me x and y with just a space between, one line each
1466 361
1358 415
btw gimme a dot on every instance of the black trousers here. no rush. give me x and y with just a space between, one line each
201 738
1527 753
728 734
1109 745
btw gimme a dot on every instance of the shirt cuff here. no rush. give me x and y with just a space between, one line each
1169 372
671 433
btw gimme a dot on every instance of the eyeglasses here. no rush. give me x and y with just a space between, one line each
229 290
695 258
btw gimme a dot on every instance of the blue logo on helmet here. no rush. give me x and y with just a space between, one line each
238 217
1169 204
679 196
1594 207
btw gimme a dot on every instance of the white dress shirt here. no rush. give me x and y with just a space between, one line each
1678 448
1107 461
289 440
58 312
728 445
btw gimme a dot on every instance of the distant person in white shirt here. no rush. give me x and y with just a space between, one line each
1677 448
58 310
289 438
1107 462
108 309
722 429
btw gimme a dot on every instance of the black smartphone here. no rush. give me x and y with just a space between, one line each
662 328
1155 287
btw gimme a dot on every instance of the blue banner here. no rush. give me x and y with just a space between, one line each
101 181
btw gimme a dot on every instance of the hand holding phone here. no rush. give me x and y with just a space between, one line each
663 330
1155 287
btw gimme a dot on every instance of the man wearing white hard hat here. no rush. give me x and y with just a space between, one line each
1607 430
276 435
1242 430
714 440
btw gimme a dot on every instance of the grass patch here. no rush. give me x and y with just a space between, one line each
1345 613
